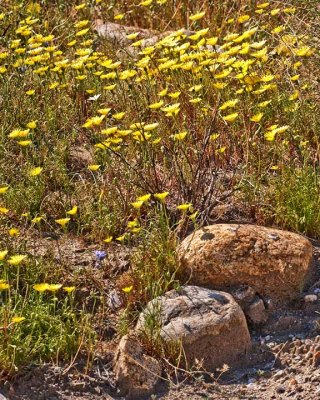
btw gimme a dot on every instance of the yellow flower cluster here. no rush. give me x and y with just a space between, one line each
146 117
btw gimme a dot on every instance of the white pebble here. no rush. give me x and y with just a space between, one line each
310 298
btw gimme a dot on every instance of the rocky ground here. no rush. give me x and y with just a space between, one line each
284 363
289 370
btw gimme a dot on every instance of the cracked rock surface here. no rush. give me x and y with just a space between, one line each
274 263
210 325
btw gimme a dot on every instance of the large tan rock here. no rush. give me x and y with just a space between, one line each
209 325
273 262
135 372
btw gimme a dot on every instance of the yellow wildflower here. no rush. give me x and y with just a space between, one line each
104 111
73 211
171 110
197 16
36 220
62 221
35 171
243 18
121 238
145 3
119 115
229 103
144 198
3 254
25 143
94 167
17 320
256 117
40 287
16 259
157 105
137 204
163 92
231 117
18 133
13 232
3 189
4 286
32 124
161 196
81 24
82 32
53 287
184 206
180 136
127 289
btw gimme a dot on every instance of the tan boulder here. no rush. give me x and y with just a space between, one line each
136 373
79 158
209 325
275 263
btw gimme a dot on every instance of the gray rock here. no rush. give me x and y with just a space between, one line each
113 300
209 325
136 373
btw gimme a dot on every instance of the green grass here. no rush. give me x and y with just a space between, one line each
292 200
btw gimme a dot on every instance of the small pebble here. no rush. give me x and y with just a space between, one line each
274 236
279 374
280 389
293 382
310 298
